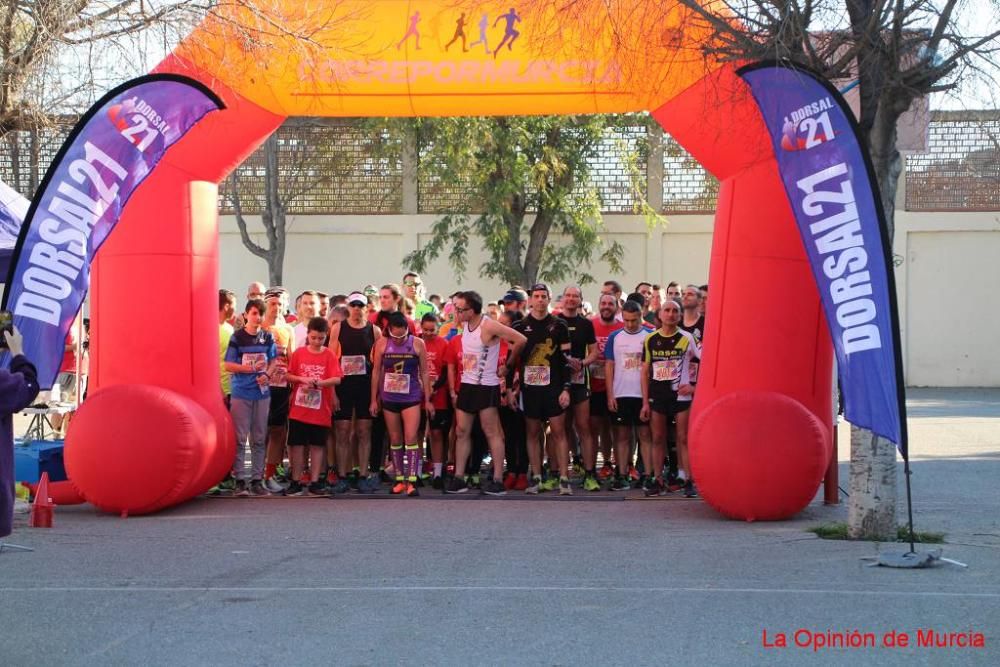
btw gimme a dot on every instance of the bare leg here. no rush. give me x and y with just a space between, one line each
344 448
581 419
682 442
489 419
658 433
317 462
557 428
363 431
463 440
623 447
533 430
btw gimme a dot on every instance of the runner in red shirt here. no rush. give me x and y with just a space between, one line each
313 370
605 323
439 425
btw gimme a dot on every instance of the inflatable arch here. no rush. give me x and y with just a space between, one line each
154 433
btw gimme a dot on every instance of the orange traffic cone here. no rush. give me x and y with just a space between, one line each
43 508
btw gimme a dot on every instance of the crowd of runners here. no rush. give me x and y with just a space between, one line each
389 389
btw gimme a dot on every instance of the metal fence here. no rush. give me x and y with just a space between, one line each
350 166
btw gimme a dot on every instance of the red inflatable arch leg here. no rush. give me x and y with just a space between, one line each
154 430
759 439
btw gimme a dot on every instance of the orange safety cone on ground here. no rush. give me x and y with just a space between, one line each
43 508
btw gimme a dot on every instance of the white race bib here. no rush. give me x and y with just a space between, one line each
470 363
597 370
396 383
537 376
354 364
632 361
579 377
308 398
667 370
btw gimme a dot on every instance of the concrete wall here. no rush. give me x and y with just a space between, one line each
949 281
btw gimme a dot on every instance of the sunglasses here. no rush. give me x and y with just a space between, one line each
355 304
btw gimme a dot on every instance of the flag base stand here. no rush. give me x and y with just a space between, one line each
910 560
7 546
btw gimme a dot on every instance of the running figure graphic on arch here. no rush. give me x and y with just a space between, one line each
459 34
509 32
484 25
411 31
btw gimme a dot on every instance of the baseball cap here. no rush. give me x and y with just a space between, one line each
275 291
515 295
357 297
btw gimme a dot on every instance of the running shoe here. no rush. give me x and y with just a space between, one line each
437 484
399 488
456 485
474 482
258 489
521 484
332 477
224 488
690 491
606 472
369 484
535 486
271 484
411 490
621 484
241 489
564 488
590 483
295 489
317 489
342 486
652 487
494 488
634 474
509 480
675 484
551 484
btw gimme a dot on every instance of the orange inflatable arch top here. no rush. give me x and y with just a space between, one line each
154 431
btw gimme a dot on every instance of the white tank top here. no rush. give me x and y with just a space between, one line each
479 362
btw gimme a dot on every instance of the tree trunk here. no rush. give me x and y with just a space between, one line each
871 513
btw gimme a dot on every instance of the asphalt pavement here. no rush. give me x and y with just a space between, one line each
469 580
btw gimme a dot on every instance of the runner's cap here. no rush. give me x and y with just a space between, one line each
357 297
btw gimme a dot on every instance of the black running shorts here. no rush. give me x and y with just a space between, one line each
355 399
301 434
628 412
668 406
540 403
277 413
578 393
599 404
475 397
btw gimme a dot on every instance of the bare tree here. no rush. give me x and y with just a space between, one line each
895 53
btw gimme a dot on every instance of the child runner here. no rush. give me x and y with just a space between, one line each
250 358
401 389
314 370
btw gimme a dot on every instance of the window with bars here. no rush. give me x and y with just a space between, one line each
961 169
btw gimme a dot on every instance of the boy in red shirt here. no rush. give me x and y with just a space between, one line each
314 370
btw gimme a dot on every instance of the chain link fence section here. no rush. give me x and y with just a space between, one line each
333 167
961 170
687 186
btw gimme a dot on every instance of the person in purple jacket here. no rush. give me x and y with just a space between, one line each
18 388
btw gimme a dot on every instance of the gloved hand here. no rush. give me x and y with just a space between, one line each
15 342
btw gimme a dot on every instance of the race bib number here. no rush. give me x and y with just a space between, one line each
278 378
537 376
310 399
354 364
632 361
256 360
667 370
396 383
580 376
693 371
470 362
597 371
